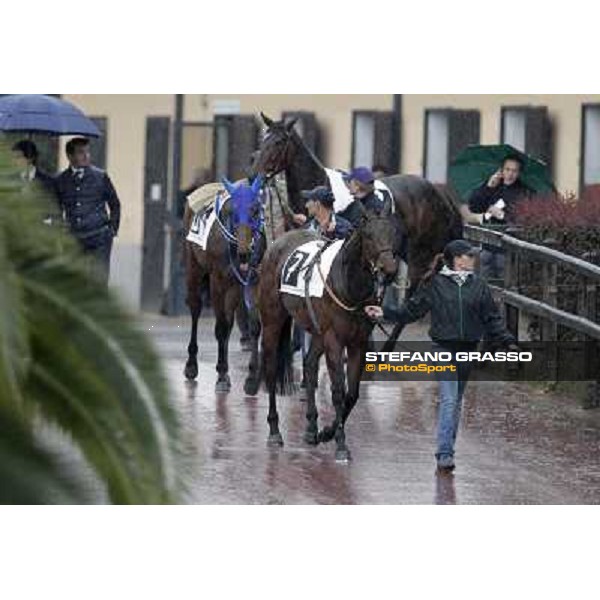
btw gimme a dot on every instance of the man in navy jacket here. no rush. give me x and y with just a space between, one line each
90 203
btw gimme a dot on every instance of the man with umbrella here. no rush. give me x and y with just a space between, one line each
496 200
493 179
90 203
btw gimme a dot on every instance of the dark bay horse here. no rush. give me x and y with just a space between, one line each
337 322
428 217
234 249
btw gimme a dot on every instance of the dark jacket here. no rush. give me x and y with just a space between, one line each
343 228
483 197
371 203
85 201
458 313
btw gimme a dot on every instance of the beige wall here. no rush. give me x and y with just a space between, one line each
126 142
334 114
564 110
126 114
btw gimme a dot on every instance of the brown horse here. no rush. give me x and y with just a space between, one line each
428 218
336 322
233 252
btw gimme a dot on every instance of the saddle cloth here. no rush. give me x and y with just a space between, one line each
342 194
295 269
201 226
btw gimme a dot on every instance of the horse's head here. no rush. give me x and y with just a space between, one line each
377 235
245 213
276 149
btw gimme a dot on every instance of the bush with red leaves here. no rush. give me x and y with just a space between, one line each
566 223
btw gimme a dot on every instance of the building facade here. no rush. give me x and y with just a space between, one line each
157 144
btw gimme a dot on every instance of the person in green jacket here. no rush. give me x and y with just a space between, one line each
462 311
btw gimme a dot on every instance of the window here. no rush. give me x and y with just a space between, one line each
591 145
447 133
514 127
364 139
373 139
436 146
528 129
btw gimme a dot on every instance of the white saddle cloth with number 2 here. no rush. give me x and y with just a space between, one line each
200 228
295 270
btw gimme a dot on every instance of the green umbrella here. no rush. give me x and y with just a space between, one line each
476 164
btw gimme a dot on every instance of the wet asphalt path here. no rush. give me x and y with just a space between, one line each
516 445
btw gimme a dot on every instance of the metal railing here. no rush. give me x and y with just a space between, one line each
516 301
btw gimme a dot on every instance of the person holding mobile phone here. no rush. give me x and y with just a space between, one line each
496 199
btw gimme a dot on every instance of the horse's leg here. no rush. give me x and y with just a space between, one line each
335 366
252 382
311 370
224 302
354 368
194 276
270 341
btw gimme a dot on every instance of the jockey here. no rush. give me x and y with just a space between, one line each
361 183
319 205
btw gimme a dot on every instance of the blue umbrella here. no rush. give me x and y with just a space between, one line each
36 113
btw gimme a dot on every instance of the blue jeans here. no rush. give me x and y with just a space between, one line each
492 264
451 389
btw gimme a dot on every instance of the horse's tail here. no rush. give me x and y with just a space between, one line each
285 356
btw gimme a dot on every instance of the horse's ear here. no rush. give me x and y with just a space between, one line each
228 185
290 124
256 184
268 122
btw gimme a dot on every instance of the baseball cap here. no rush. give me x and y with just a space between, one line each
321 194
459 248
362 174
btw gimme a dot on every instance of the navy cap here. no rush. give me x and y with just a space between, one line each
321 194
362 174
459 248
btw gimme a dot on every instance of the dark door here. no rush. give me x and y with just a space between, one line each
235 139
155 211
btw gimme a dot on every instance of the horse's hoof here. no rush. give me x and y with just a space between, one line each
191 371
343 456
251 387
246 345
223 385
275 440
311 438
325 435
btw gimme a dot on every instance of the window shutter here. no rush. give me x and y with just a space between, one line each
373 139
98 145
538 134
463 131
307 128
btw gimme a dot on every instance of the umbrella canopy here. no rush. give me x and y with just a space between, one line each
36 113
476 164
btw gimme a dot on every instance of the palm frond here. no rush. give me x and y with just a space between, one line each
70 353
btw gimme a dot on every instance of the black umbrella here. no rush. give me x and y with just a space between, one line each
37 113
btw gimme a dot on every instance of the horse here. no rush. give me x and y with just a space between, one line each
234 248
427 217
336 321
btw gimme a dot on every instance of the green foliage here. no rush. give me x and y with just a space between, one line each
70 355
